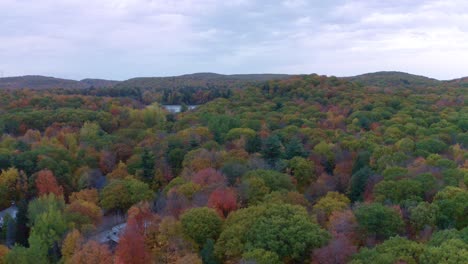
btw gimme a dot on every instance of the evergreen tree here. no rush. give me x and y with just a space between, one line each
207 253
295 149
358 183
272 149
147 165
254 144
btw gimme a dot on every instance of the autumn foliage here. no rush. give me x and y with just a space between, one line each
223 201
46 183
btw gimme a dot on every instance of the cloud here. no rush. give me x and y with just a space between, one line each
120 39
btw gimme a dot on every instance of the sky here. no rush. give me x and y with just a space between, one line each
121 39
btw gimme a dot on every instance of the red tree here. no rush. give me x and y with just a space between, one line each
46 183
143 218
223 201
131 248
338 251
209 177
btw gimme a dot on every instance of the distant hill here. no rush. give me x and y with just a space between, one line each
101 83
460 81
38 83
198 80
394 79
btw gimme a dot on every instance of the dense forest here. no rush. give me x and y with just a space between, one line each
304 169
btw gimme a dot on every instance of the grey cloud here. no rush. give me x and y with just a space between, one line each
125 38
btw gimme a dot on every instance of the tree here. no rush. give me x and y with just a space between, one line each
164 239
331 202
452 251
261 256
431 145
343 223
378 220
453 205
49 227
303 171
93 253
132 248
35 254
119 173
207 253
147 165
233 171
201 224
339 250
274 180
423 215
88 195
393 250
22 229
286 230
3 252
254 144
46 183
223 201
42 205
272 149
71 244
398 191
107 161
8 184
121 194
295 148
84 215
358 183
209 177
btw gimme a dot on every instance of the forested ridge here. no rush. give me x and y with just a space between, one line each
304 169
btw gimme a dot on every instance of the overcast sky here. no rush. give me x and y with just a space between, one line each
120 39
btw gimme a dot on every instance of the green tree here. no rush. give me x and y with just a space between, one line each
261 256
393 250
358 183
295 148
207 253
122 194
332 201
274 180
286 230
452 251
422 215
453 207
378 220
303 170
254 144
147 165
398 191
272 149
35 254
201 224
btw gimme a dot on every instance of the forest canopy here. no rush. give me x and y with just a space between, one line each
303 169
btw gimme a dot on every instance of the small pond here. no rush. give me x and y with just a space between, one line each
177 108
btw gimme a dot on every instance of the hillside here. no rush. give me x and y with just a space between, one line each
37 82
394 79
101 83
188 81
198 80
